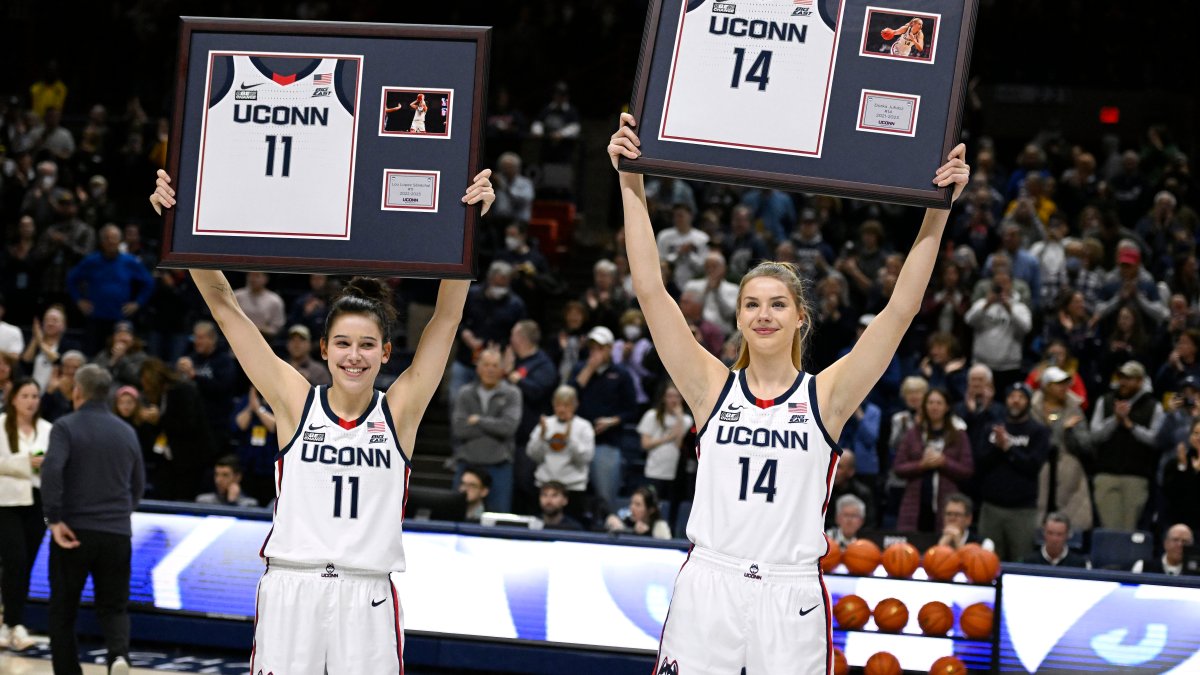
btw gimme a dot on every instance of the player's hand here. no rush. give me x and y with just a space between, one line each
164 196
481 191
625 142
954 172
63 536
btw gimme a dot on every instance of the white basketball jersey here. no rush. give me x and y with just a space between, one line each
419 115
269 140
340 487
752 74
765 471
903 45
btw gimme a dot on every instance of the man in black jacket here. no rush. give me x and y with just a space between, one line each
1008 465
532 371
606 399
92 480
1056 530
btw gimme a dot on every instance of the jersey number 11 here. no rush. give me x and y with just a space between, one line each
286 143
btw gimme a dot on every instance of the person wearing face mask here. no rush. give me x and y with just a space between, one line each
1008 466
532 279
630 351
39 199
491 311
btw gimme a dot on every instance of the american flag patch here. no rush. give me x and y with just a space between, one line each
376 427
327 78
798 408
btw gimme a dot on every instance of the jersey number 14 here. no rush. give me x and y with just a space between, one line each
765 485
759 70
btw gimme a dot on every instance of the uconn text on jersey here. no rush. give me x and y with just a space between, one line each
762 30
281 115
762 438
380 458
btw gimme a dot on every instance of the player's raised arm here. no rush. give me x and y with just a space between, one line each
697 374
410 394
843 386
279 383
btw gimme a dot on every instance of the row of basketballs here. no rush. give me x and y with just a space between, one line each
901 560
935 618
886 663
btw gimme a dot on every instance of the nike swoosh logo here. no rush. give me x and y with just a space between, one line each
250 86
805 612
313 427
376 604
735 407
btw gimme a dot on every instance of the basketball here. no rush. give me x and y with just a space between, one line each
831 559
976 621
840 666
941 563
948 665
861 557
891 616
935 618
983 567
887 33
967 552
851 612
882 663
901 560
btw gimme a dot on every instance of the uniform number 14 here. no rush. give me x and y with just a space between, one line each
758 72
765 485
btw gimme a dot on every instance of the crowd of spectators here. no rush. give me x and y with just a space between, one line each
1054 367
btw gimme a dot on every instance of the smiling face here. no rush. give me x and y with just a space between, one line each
355 350
768 315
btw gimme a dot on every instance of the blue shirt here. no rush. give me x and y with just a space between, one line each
108 283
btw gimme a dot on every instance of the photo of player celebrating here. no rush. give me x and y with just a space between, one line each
422 113
899 35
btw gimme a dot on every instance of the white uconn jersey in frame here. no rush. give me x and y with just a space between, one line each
277 151
340 488
765 471
752 74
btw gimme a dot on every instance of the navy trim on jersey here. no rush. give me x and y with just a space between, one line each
720 400
816 413
339 76
765 403
304 72
220 91
299 425
387 415
695 4
829 19
341 422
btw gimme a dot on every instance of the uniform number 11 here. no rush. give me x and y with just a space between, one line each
758 70
286 142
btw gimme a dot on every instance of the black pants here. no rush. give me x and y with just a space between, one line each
21 530
106 557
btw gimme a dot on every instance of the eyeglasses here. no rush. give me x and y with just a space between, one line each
955 514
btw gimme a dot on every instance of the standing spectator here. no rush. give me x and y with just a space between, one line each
12 342
720 294
474 483
1178 537
682 245
1001 322
299 352
489 314
7 377
24 437
532 278
263 306
1008 466
1132 286
1181 482
257 443
1025 265
167 315
935 458
49 92
1182 362
605 298
1125 425
846 483
92 480
183 440
912 394
61 247
557 125
662 429
744 248
57 141
46 345
19 274
606 400
122 357
691 303
944 366
851 513
860 263
127 405
1051 257
958 514
1056 530
227 478
814 254
567 348
946 304
56 400
217 378
1062 484
860 435
530 370
645 516
514 192
631 349
311 309
562 445
484 426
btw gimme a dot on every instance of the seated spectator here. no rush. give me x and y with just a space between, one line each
1183 362
127 404
1181 481
554 500
645 516
1063 484
1127 341
1180 409
484 426
851 513
532 278
475 482
257 444
299 355
691 304
123 355
227 478
568 347
846 482
563 444
514 192
311 309
630 351
605 298
1056 530
958 514
490 311
935 458
744 248
1178 537
662 429
944 367
56 399
860 435
720 295
262 306
46 345
1125 426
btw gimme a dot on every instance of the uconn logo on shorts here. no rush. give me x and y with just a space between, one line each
668 667
753 573
330 572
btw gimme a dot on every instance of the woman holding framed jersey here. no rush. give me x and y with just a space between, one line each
326 603
751 595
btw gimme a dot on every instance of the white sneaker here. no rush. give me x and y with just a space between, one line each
5 636
119 666
20 640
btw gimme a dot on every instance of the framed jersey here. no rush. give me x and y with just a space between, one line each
284 143
782 94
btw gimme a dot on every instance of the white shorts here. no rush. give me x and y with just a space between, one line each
417 126
727 614
317 620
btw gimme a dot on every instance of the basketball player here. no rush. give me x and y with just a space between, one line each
418 123
750 594
909 37
326 603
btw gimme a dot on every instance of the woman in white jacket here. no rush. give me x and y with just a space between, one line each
24 437
563 444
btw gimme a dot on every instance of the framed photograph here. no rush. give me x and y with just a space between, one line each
293 149
776 94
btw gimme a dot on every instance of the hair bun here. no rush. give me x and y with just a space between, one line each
369 288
